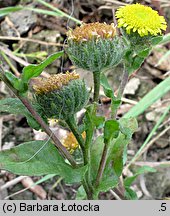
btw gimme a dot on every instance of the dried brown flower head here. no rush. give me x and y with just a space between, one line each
90 31
54 82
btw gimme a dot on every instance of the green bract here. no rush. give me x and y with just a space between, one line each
65 102
96 55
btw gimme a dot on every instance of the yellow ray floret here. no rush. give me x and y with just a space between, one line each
90 31
54 82
141 19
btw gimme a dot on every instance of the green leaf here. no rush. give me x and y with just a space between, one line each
15 106
99 121
31 71
38 158
129 180
109 180
118 147
116 152
129 125
5 11
160 90
144 53
96 152
106 87
13 80
137 62
115 102
81 194
130 194
156 40
111 130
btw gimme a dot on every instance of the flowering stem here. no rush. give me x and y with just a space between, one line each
102 164
89 137
36 116
105 150
123 83
96 80
122 86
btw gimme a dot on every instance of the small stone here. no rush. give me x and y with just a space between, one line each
19 22
132 86
155 58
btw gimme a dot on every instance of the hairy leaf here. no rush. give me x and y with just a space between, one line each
15 106
38 158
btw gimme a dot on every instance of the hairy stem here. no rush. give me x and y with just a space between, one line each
102 164
122 86
123 83
96 80
44 126
105 150
87 190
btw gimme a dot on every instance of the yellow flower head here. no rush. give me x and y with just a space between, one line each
71 143
90 31
54 82
141 19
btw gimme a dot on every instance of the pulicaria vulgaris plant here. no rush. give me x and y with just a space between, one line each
96 163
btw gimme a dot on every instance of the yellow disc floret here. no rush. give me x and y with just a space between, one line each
71 143
53 82
90 31
141 19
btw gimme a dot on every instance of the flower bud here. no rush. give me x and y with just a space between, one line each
94 46
61 96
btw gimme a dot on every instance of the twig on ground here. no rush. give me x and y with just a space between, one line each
152 164
37 189
12 182
115 195
17 59
31 40
143 186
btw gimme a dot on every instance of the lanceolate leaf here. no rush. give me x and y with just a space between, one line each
111 130
35 70
106 87
129 180
38 158
14 106
109 180
30 71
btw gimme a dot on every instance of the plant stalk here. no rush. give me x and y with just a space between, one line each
96 80
36 116
102 164
123 83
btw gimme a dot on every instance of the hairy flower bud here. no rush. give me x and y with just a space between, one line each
94 46
61 96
